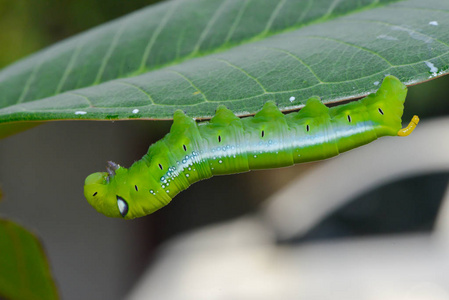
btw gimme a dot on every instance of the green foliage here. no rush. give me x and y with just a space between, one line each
24 270
198 54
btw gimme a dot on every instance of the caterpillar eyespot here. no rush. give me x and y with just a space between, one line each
122 206
227 144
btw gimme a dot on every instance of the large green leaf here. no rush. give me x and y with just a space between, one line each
197 54
24 270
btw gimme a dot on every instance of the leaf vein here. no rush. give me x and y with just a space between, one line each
306 10
273 16
109 52
208 26
190 82
30 80
69 67
236 21
296 58
331 8
241 70
138 88
84 97
156 33
349 44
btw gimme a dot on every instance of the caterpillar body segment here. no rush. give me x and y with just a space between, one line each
227 144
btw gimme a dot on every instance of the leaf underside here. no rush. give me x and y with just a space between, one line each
197 54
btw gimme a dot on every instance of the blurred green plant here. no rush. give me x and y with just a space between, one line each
24 269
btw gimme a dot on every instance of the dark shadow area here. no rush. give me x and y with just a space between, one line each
403 206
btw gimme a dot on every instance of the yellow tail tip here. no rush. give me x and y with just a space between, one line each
411 126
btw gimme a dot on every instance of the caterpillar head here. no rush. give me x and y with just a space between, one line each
123 193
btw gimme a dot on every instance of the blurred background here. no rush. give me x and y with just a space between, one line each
258 235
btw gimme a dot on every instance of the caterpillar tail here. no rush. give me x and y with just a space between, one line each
411 126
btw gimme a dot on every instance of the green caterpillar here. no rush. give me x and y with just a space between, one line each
227 144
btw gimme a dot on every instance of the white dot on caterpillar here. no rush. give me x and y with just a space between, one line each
255 156
167 191
79 112
135 111
292 99
163 186
187 175
220 161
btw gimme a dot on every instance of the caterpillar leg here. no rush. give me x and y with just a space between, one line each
411 126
